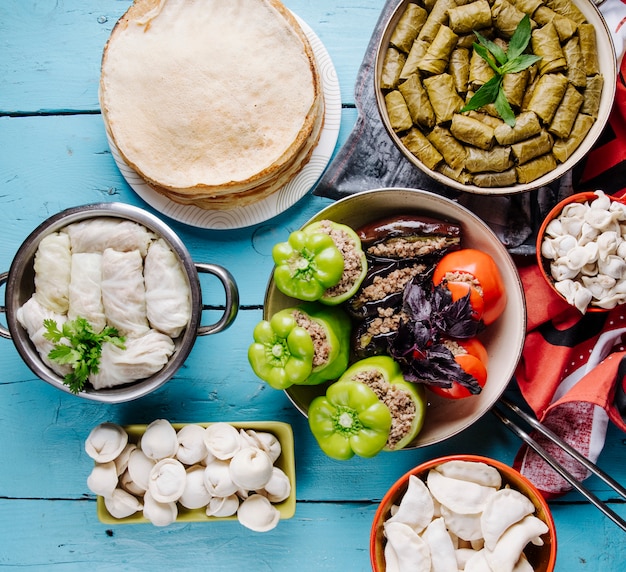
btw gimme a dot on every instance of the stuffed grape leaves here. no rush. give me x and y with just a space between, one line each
514 86
459 175
564 148
536 168
506 17
435 60
443 97
589 48
545 44
469 17
472 131
480 71
451 149
526 125
547 95
567 8
408 26
486 118
458 68
527 6
393 63
438 15
504 179
529 149
417 102
417 143
566 113
418 49
497 159
398 112
592 93
576 73
565 27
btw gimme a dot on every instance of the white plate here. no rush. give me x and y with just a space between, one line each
279 201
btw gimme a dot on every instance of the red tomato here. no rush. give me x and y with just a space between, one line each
473 362
482 267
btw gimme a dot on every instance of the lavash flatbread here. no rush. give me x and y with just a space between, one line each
213 103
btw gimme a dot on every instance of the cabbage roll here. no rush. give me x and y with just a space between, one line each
399 116
458 67
566 113
168 300
443 97
536 168
417 143
123 292
490 180
53 265
141 358
96 235
576 73
451 149
408 26
526 125
506 17
437 56
547 95
438 15
86 289
589 48
31 316
393 63
472 131
418 49
469 17
592 94
545 43
417 102
565 27
529 149
494 160
480 71
564 148
567 8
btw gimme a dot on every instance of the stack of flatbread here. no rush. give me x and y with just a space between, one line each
213 103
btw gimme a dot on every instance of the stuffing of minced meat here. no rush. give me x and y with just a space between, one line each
395 281
388 320
399 402
454 347
318 335
351 258
400 247
460 276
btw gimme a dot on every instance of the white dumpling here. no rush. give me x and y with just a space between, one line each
410 551
159 513
465 526
98 234
442 550
191 448
168 300
85 291
141 358
504 508
53 263
461 496
122 504
103 479
123 292
416 507
473 471
105 442
478 563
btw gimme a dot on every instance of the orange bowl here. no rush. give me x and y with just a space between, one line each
543 262
542 558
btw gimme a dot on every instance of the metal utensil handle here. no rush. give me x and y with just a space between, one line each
232 298
4 332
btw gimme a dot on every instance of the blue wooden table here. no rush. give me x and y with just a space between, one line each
54 155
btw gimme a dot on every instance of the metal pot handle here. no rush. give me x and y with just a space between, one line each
232 298
4 332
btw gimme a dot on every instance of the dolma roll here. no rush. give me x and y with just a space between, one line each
589 48
469 17
472 131
435 60
418 49
459 175
564 148
399 116
531 171
566 113
527 6
565 27
592 94
526 125
417 101
393 63
458 68
408 26
438 15
443 97
529 149
506 17
494 160
490 180
480 71
514 86
415 141
486 118
545 44
576 73
451 149
547 95
567 8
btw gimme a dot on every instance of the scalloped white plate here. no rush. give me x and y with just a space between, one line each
279 201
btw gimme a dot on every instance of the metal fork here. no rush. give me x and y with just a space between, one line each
524 436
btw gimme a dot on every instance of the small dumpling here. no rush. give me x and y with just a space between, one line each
460 496
416 507
410 551
472 471
53 263
465 526
442 550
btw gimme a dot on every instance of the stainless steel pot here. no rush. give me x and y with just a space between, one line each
20 286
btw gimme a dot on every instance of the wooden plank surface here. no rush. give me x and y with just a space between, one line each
54 155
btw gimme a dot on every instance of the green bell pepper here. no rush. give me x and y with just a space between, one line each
405 400
306 265
349 420
309 344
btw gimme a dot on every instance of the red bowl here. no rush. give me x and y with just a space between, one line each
543 558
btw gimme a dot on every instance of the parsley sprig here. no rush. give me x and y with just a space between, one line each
76 344
514 60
